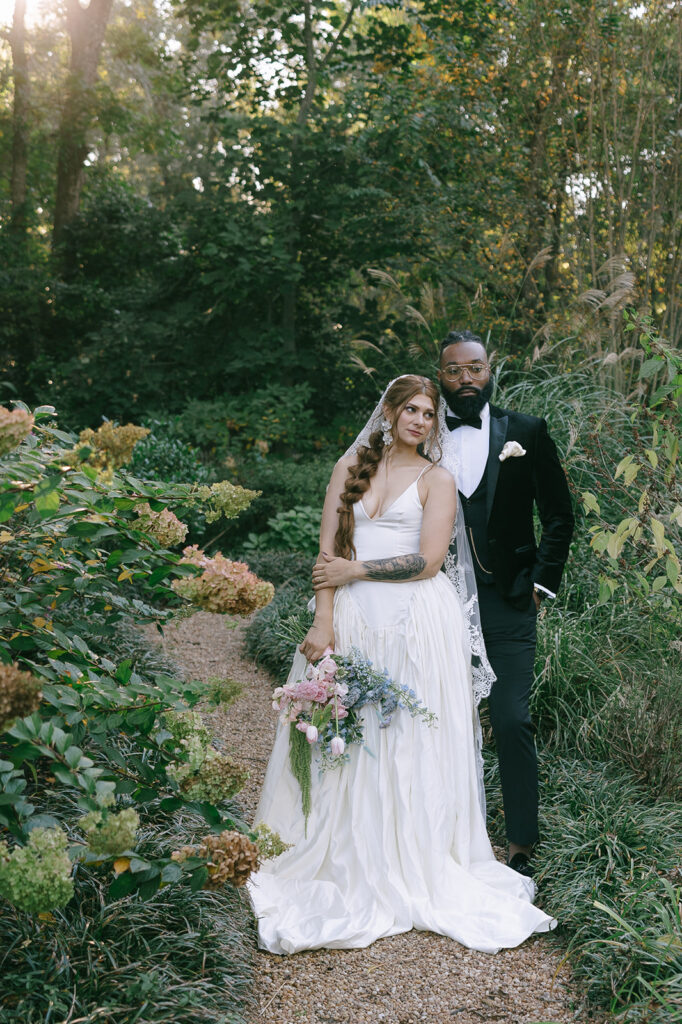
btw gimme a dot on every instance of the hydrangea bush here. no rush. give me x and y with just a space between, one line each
86 752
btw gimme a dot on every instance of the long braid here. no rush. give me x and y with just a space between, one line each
357 483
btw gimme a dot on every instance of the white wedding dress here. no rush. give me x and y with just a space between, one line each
396 838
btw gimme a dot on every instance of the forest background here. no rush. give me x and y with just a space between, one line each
232 222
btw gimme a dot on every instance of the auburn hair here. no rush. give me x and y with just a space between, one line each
360 475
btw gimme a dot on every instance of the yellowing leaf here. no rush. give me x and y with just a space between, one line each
39 622
127 574
5 536
121 864
652 457
590 502
41 565
623 465
658 530
92 561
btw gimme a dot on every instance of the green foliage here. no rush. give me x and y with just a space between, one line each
297 529
223 692
183 954
162 455
282 567
285 484
273 416
263 635
615 900
76 559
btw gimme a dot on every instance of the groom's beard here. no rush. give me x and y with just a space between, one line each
466 406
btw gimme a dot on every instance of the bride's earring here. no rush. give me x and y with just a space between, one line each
387 436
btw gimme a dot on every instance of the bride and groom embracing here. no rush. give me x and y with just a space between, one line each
396 837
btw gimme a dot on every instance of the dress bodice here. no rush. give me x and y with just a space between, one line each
396 532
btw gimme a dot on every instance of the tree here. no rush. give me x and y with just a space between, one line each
86 27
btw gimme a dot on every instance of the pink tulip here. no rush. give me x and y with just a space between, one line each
311 734
337 746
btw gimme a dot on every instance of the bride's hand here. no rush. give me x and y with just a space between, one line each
316 641
333 572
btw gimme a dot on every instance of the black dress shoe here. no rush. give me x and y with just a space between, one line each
520 862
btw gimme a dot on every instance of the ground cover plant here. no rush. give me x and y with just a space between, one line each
110 786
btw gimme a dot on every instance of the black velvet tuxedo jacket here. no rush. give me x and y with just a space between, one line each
513 487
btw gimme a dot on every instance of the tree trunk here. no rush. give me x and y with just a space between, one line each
296 176
86 27
19 121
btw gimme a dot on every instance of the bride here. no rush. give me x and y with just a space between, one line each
396 837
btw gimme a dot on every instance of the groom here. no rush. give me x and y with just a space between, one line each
508 464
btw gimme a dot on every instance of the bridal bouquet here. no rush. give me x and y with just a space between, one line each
323 709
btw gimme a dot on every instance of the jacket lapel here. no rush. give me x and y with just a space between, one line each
498 434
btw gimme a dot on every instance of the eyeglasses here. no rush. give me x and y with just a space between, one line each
475 370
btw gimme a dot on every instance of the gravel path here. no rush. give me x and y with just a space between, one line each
404 979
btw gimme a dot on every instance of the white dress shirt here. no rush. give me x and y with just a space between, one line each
470 446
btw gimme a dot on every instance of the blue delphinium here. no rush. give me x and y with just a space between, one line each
366 685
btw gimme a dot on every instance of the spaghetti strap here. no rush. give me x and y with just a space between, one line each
427 466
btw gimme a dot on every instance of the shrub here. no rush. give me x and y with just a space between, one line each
297 529
272 417
607 850
285 484
282 567
263 637
78 560
163 455
182 956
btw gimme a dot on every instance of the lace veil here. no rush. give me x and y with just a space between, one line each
458 565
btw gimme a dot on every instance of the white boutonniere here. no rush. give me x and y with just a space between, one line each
512 450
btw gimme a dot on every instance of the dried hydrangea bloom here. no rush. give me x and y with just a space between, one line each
110 834
15 425
224 586
111 447
163 526
19 694
37 877
231 858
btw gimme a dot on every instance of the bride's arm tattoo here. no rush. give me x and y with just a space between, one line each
402 567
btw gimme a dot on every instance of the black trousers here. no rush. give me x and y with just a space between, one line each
510 639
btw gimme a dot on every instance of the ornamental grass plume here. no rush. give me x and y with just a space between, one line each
37 877
19 695
110 834
224 586
15 425
163 526
231 857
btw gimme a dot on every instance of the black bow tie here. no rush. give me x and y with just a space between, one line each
453 422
